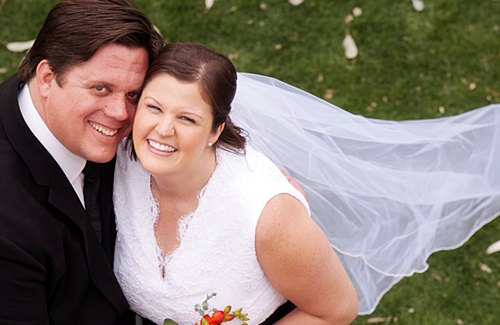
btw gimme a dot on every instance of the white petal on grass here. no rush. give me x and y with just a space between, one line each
495 247
20 46
357 12
3 70
375 320
484 267
295 2
435 276
418 5
349 18
158 30
351 50
208 4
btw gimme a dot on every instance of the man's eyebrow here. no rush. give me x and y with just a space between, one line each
96 82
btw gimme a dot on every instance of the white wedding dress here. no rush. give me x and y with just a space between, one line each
387 194
217 242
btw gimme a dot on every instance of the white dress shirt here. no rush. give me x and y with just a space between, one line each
71 164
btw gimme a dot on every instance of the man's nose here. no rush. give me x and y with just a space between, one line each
118 108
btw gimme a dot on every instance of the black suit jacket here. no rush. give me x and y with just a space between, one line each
53 270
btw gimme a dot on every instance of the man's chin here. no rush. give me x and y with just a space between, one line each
102 156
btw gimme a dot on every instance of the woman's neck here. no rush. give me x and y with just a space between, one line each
187 184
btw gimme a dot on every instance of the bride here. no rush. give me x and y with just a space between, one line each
202 212
386 194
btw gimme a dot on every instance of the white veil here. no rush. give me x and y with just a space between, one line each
387 194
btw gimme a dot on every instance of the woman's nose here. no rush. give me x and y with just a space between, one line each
166 126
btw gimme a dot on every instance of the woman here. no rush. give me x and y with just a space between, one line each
202 212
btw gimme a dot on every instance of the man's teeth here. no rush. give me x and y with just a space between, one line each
161 147
103 131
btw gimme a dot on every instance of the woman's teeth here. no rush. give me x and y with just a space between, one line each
161 147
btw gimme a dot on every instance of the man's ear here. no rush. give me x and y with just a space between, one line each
45 77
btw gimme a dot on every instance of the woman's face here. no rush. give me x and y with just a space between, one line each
173 127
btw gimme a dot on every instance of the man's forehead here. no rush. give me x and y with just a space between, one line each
114 66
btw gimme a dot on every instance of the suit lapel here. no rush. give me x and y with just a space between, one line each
47 172
99 265
42 166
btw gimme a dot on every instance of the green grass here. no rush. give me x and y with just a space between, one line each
410 64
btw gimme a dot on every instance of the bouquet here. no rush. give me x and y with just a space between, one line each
217 317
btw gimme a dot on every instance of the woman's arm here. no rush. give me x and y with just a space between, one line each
300 263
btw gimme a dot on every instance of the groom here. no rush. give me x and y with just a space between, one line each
70 104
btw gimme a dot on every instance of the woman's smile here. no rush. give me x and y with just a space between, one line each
161 147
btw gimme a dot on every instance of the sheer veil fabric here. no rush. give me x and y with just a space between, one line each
387 194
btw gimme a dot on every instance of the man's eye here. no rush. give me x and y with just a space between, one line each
99 88
133 95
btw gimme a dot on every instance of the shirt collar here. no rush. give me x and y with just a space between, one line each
71 164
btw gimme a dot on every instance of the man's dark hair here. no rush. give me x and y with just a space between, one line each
75 29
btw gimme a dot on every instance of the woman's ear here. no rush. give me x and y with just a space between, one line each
215 136
44 77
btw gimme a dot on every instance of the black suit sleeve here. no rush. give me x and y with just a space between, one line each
23 299
279 313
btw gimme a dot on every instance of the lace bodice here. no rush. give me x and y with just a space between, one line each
217 244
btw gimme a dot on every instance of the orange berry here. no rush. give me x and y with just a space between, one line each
228 318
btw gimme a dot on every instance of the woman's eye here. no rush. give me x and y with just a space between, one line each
153 108
187 119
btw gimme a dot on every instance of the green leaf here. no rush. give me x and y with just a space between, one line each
168 321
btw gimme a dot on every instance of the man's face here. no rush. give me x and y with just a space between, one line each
95 106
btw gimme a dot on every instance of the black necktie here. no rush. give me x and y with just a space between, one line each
90 192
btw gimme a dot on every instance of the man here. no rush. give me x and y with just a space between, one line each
72 101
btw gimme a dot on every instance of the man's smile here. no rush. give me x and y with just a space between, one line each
102 130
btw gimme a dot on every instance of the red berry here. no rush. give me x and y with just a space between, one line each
206 320
218 316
